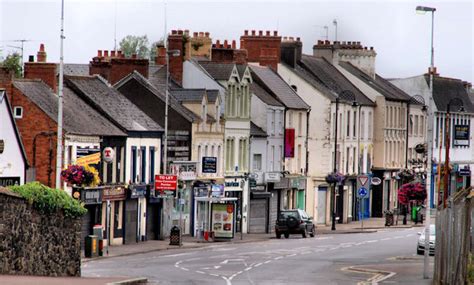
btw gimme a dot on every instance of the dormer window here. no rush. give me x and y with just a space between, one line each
18 112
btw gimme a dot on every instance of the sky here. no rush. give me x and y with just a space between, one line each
399 35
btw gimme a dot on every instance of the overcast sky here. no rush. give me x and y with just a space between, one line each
400 36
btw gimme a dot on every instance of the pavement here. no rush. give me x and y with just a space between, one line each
369 226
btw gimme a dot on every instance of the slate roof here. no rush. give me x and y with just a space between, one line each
112 103
218 71
188 95
256 131
276 85
383 86
157 78
446 89
78 117
212 95
326 74
308 77
263 95
172 101
241 69
74 69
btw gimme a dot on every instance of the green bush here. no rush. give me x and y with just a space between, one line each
470 269
47 200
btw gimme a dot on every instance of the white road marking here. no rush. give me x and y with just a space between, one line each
217 266
268 261
370 241
178 254
409 235
386 239
257 265
212 274
184 268
200 272
294 254
248 268
278 257
397 237
227 281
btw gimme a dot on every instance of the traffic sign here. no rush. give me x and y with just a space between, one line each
363 180
362 192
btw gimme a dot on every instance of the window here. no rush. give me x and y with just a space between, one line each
300 124
422 125
347 160
348 126
370 126
18 112
273 122
354 131
354 160
290 119
199 158
415 127
272 159
219 160
257 162
143 165
152 164
134 164
362 126
280 122
299 158
278 159
410 126
341 131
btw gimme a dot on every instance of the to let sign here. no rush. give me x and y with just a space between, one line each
166 182
461 135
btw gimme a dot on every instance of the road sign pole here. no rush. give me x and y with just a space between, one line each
362 213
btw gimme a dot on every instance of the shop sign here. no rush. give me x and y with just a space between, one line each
289 142
9 181
284 183
166 182
233 185
185 170
91 196
137 191
209 164
295 183
113 193
465 171
201 191
461 135
108 154
252 183
217 190
223 220
272 177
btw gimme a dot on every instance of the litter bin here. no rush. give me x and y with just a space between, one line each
388 218
91 246
97 230
175 236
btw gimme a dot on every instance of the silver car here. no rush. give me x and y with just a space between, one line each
420 248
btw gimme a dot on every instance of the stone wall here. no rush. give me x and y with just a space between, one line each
35 244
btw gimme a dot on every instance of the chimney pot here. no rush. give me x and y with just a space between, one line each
260 33
218 44
275 33
234 45
253 32
268 33
206 34
180 32
186 32
112 53
195 34
371 48
106 53
292 39
134 56
201 34
31 58
174 32
298 39
99 53
41 47
226 44
119 53
246 32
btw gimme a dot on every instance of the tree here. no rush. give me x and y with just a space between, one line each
13 64
153 49
135 45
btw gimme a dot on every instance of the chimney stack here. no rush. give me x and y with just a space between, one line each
264 48
41 69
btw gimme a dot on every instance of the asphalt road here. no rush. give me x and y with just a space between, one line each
386 257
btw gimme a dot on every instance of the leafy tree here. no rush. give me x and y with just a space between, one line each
135 45
154 47
13 63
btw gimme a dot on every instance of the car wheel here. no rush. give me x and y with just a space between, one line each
313 232
278 235
304 233
287 235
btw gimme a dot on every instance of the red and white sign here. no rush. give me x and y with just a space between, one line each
166 182
108 154
363 180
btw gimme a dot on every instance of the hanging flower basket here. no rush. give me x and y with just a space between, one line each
335 178
80 175
411 192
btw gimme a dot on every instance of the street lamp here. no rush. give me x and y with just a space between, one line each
347 96
422 10
173 52
452 102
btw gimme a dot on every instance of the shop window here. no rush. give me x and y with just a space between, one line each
257 162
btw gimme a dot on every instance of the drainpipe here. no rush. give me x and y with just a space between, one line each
308 113
406 138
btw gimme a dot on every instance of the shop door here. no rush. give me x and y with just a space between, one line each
377 196
300 202
87 220
153 221
386 195
118 219
340 203
258 216
131 216
322 196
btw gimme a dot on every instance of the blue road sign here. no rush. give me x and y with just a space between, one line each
362 192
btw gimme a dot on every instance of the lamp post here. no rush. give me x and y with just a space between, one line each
345 95
59 140
454 102
423 9
173 52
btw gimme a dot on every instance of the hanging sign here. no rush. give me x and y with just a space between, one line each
108 154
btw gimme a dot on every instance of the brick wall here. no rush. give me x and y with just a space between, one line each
35 244
34 122
115 67
175 42
42 70
228 53
262 48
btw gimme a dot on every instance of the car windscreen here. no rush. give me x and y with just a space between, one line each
285 215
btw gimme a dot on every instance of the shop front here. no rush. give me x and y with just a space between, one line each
182 212
92 199
259 216
234 188
298 193
270 180
153 214
113 213
135 214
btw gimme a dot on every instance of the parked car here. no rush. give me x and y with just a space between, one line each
420 248
294 222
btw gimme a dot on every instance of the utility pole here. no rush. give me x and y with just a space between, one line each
59 140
